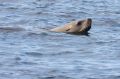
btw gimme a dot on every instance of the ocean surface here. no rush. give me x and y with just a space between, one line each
28 51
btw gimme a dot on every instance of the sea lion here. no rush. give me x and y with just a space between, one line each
81 26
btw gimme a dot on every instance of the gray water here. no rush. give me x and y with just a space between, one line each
27 51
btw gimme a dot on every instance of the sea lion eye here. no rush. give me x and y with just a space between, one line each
79 23
67 29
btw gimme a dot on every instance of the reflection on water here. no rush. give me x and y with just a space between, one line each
27 51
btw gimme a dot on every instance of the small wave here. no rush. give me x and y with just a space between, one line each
57 77
30 31
37 34
105 77
38 54
27 63
62 53
35 54
11 29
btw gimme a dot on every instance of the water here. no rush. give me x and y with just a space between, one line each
29 52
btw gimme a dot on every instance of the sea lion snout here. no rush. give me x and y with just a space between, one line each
86 25
89 20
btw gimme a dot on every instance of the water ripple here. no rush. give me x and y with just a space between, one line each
29 51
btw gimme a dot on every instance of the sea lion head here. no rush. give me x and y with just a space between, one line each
81 26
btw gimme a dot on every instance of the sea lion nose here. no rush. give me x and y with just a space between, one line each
89 19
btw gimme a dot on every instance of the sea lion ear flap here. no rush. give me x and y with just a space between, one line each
79 23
